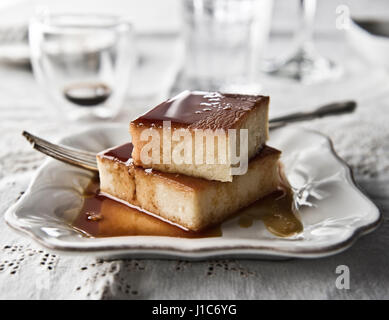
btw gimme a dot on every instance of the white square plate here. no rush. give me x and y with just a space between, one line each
336 214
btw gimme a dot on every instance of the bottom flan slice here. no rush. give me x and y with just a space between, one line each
193 203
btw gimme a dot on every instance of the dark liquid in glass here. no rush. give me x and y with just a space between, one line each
87 94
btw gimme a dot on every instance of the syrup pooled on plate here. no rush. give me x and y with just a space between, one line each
276 212
101 216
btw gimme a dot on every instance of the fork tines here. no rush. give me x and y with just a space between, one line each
76 157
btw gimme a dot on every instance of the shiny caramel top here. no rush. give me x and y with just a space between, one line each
120 153
202 110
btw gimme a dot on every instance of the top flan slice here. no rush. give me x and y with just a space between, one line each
209 135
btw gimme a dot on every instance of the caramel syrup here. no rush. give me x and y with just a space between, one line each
101 216
276 211
192 109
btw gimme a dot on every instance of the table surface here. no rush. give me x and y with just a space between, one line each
362 139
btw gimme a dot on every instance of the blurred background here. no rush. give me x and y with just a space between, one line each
175 45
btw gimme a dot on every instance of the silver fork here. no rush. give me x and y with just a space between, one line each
73 156
87 160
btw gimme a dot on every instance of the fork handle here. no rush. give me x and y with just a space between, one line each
323 111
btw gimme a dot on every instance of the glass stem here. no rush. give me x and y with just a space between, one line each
304 34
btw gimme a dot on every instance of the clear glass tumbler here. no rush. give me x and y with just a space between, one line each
83 62
224 39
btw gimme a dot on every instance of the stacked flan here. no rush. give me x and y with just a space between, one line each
194 159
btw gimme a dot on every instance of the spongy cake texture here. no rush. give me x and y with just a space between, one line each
193 203
207 111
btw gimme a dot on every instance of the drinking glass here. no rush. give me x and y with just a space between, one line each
224 39
305 64
83 62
